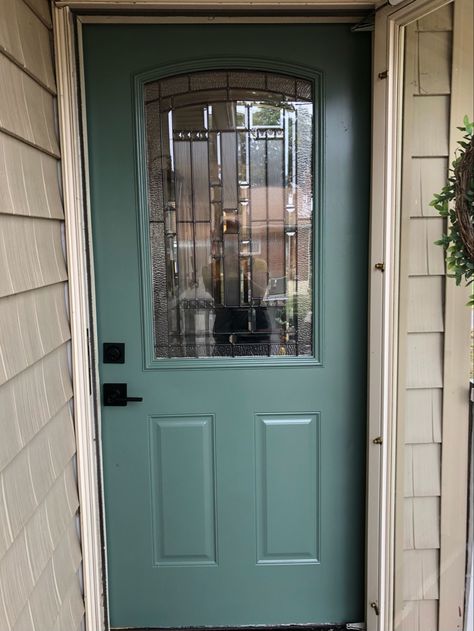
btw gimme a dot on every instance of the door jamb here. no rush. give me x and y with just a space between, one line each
383 316
81 298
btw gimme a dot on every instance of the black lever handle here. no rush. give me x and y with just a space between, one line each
116 394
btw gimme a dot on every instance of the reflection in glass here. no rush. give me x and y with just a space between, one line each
230 194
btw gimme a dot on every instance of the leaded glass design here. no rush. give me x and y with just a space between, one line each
230 195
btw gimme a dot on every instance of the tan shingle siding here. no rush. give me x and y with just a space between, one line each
439 20
427 176
425 304
27 41
426 149
20 577
423 410
26 108
30 400
39 545
32 252
42 9
34 324
28 181
426 258
424 360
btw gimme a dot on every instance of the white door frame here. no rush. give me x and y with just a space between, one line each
383 297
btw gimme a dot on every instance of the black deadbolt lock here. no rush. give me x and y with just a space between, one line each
114 353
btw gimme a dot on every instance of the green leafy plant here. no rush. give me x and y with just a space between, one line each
456 203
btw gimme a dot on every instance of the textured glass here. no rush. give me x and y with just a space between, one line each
154 158
304 157
208 80
303 90
174 85
206 96
304 284
282 84
247 80
152 91
230 196
158 257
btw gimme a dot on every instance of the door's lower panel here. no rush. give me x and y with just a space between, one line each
183 490
287 485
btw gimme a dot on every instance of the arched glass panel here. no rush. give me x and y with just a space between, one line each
230 179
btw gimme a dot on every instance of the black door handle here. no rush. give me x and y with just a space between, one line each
116 394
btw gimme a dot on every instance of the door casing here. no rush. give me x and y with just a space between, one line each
383 299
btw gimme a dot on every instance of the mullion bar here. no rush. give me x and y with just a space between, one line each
296 212
296 299
220 175
285 270
267 215
238 218
211 207
266 206
193 214
250 214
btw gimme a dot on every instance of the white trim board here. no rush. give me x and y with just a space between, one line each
383 296
140 19
80 297
154 5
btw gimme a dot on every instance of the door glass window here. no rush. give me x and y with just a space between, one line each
230 195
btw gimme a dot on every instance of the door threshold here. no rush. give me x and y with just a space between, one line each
283 627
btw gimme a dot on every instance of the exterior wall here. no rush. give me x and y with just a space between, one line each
424 412
39 545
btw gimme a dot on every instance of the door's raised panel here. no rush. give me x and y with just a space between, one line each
287 493
183 490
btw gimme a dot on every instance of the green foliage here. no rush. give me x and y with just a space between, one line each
460 265
266 116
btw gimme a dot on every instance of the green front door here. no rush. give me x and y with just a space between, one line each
229 172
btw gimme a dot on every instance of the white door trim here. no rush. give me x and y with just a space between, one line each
383 307
81 291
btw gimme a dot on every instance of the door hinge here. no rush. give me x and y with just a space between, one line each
375 607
